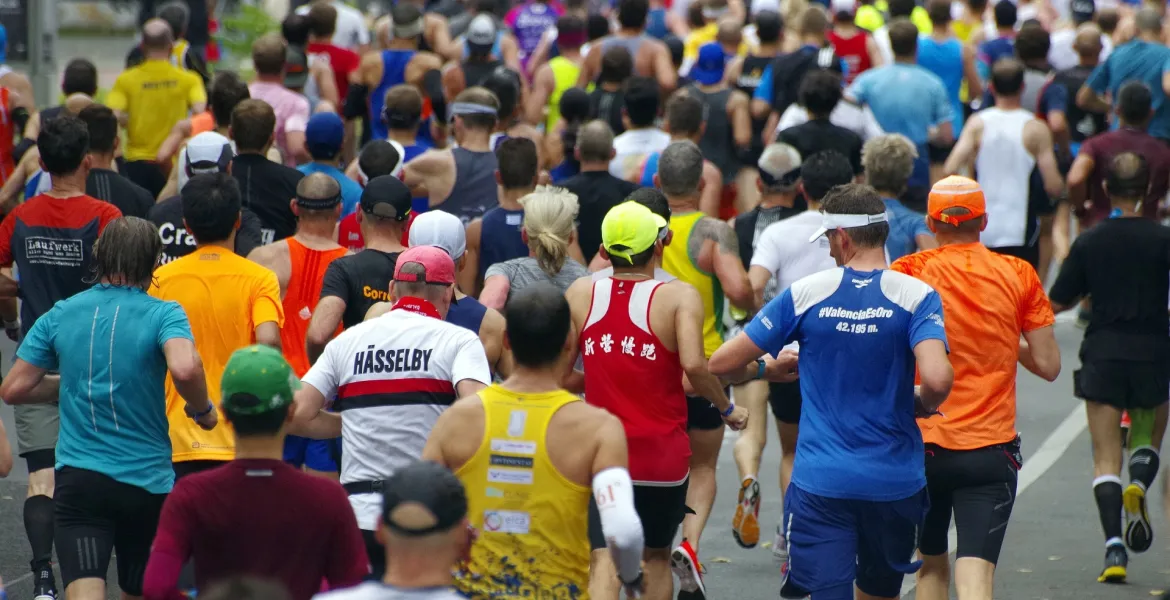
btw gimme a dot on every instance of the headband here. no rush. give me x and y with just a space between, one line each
833 221
319 203
472 108
572 39
397 170
788 179
408 30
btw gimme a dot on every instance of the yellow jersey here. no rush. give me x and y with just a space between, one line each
565 74
155 94
533 521
225 297
677 260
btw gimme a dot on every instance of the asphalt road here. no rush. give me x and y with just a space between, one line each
1053 550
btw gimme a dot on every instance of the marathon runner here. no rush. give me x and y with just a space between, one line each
650 56
300 263
497 236
104 182
653 199
425 527
392 377
1123 265
62 216
258 500
686 121
377 158
266 186
745 73
354 283
973 454
231 303
1006 144
482 56
858 493
627 332
291 110
528 452
727 127
110 486
705 254
437 228
781 258
552 79
325 139
459 180
79 77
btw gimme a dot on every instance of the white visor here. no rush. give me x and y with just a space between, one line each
831 222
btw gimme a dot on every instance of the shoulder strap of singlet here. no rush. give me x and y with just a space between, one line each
639 307
599 303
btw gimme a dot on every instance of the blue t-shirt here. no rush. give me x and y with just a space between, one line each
857 332
909 100
905 226
945 59
991 51
113 404
1145 62
351 191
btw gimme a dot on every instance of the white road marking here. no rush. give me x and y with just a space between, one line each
1034 467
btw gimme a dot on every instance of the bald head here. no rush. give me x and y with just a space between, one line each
75 103
595 142
1148 21
318 186
1088 41
157 36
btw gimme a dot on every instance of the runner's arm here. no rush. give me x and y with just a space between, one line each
309 417
728 266
1070 284
1040 354
186 368
324 323
542 87
614 493
171 548
964 151
664 70
935 372
174 141
5 453
495 290
468 275
689 333
1038 141
739 110
1078 181
759 276
710 196
971 73
29 384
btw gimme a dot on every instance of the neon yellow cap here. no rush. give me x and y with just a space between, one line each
629 229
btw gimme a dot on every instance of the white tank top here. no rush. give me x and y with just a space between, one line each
1004 167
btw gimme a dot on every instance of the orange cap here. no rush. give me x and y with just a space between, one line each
956 192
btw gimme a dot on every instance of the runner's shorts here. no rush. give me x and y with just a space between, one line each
318 455
1123 384
36 427
977 486
98 516
661 510
835 542
703 415
785 401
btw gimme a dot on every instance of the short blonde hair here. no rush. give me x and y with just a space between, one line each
549 215
888 161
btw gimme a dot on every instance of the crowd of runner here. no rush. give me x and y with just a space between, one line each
460 301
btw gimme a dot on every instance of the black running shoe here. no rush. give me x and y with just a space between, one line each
45 587
1116 559
1139 534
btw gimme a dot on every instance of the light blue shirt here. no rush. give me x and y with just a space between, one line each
857 332
107 343
909 100
351 192
905 226
1145 62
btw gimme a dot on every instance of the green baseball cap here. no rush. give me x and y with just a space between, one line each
630 228
257 379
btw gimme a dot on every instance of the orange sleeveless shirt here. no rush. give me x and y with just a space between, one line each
300 299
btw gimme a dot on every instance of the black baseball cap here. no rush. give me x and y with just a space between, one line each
386 197
429 486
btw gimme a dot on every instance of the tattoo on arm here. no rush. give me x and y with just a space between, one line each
716 231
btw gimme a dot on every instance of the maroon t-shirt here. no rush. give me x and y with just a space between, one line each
264 518
1104 147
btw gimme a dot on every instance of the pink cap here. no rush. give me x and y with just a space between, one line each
439 267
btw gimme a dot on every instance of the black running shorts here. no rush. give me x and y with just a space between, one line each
979 488
701 414
785 401
98 516
376 552
661 510
1122 384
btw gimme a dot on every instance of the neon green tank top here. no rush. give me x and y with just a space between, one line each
677 261
565 74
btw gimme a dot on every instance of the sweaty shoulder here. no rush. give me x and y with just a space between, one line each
809 291
904 290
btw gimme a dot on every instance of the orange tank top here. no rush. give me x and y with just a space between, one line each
7 134
300 299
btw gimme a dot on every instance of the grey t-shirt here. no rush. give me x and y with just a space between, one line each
376 590
524 271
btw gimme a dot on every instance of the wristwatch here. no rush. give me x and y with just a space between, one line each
761 366
730 409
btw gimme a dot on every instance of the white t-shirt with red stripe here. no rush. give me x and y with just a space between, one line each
392 377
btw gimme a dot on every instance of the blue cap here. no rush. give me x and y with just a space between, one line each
708 68
324 135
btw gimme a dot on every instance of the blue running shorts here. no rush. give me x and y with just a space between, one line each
835 542
318 455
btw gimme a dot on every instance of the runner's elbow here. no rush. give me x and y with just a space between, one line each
936 383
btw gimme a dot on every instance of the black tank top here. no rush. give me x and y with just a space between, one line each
749 80
475 72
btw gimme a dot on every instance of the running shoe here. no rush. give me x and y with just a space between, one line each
746 524
780 547
45 587
685 564
1116 560
1139 535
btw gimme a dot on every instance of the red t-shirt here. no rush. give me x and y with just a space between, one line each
1102 148
263 518
342 61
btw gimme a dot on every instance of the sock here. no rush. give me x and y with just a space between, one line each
1114 542
38 526
1107 490
1143 466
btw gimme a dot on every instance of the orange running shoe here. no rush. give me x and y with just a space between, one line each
746 524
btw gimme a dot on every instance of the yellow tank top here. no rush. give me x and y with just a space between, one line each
533 522
677 261
565 74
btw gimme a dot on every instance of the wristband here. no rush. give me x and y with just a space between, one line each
200 415
730 409
761 366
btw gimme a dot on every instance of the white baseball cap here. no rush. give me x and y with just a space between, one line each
208 152
441 229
